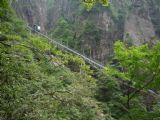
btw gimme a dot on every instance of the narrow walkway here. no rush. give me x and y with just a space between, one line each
88 60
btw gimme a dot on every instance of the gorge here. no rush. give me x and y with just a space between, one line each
94 32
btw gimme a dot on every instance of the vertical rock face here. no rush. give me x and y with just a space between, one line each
140 30
134 21
138 25
32 11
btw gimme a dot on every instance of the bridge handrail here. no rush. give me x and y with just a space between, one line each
69 49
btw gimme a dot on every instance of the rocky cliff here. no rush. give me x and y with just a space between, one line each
134 21
32 11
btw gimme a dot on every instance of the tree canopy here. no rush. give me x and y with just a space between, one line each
90 3
38 81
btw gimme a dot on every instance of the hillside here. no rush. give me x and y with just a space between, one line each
41 81
38 81
94 32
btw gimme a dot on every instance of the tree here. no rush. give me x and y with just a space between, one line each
140 65
90 3
137 70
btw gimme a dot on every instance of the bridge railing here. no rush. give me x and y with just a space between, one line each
88 60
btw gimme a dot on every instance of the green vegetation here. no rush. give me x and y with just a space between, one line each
40 82
63 32
136 70
90 3
73 34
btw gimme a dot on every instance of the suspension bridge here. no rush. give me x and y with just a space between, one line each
90 61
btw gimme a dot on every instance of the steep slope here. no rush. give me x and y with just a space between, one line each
38 81
134 21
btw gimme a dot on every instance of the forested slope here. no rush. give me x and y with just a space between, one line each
40 82
36 81
94 32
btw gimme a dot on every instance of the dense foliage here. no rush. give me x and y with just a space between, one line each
37 81
90 3
73 35
132 82
40 82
